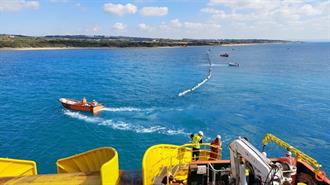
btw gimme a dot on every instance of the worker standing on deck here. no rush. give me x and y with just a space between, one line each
196 145
291 160
216 148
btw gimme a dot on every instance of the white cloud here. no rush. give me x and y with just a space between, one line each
144 27
176 23
211 10
154 11
59 1
32 4
283 19
201 26
251 4
179 29
310 10
92 29
214 12
120 9
96 29
259 10
201 30
16 5
119 26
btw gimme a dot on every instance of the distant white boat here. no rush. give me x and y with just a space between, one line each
233 64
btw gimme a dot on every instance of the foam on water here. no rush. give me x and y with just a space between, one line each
79 116
198 85
122 109
215 65
121 125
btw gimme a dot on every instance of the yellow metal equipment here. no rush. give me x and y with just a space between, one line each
15 167
165 158
53 179
299 154
103 160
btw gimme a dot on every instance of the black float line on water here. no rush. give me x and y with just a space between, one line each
198 85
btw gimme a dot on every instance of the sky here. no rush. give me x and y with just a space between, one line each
199 19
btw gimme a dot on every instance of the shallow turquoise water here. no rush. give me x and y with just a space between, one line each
283 89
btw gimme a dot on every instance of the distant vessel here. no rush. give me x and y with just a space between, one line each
82 105
224 55
233 64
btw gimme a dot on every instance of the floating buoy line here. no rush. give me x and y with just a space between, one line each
198 85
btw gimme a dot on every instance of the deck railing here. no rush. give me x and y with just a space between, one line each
166 156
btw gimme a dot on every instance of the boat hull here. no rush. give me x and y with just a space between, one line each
233 64
78 106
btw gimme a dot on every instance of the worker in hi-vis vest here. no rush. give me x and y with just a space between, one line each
196 145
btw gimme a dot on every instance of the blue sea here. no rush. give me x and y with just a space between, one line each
282 89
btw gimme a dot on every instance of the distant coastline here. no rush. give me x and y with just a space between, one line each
76 48
21 42
39 48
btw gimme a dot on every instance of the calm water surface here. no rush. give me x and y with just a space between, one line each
283 89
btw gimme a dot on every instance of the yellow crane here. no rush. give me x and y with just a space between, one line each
301 156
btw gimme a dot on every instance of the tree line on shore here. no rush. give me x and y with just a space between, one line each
21 41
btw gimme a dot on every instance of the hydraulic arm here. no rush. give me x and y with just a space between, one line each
299 154
242 152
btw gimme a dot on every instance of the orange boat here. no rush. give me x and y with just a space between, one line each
82 105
